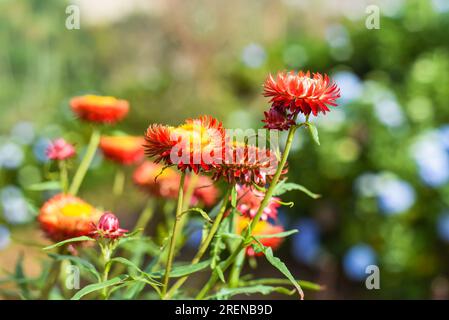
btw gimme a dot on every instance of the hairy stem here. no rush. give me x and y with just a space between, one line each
175 232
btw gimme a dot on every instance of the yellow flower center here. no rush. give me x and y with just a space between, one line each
77 210
195 133
124 142
100 100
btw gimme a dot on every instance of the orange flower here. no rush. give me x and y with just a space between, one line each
246 164
99 109
65 216
195 145
261 228
166 184
125 150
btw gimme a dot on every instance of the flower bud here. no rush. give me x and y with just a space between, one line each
60 150
109 227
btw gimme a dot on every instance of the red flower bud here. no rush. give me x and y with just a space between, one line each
109 227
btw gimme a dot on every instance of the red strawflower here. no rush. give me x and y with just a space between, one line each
301 93
65 216
195 145
246 164
99 109
60 150
125 150
249 201
108 227
157 181
261 228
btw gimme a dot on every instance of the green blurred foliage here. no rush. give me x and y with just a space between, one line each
183 62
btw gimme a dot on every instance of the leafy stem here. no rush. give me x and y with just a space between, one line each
176 231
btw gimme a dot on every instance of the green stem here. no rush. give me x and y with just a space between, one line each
193 180
228 262
205 244
107 267
63 175
176 231
145 216
119 182
234 276
85 163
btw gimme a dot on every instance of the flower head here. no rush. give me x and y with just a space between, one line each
125 150
65 216
246 164
262 228
108 227
195 145
249 201
292 93
164 182
60 150
99 109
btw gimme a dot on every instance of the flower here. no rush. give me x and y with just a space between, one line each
246 164
277 118
99 109
160 182
108 227
60 150
249 201
65 216
261 228
293 93
195 145
125 150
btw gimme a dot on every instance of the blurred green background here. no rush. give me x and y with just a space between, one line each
383 163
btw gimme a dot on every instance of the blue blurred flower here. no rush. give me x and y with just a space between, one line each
389 112
350 86
39 149
253 55
395 196
11 155
443 226
5 237
356 259
195 234
23 132
14 205
431 158
306 243
443 133
440 6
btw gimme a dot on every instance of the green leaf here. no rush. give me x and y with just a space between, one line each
278 264
200 211
98 286
274 281
277 235
86 265
234 197
283 187
184 270
220 273
313 132
20 274
262 289
44 186
287 204
77 239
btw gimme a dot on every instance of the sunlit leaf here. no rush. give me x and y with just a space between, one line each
99 286
77 239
